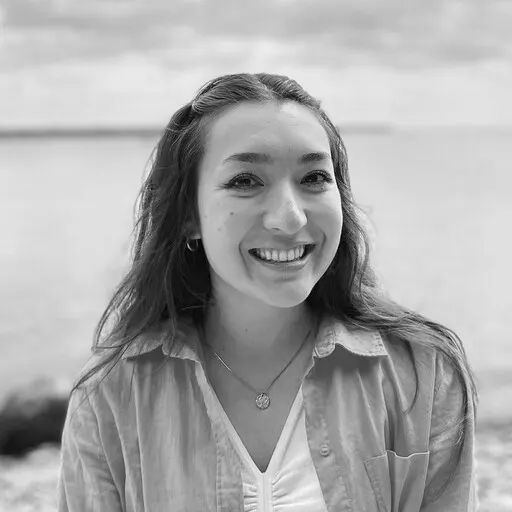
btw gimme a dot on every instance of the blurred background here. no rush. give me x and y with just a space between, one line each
420 91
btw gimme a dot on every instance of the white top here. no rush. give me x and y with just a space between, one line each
290 481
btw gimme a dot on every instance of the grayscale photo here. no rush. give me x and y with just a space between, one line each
255 256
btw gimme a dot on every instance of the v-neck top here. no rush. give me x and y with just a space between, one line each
290 481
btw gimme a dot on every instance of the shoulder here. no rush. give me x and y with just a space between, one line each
405 355
111 373
106 378
427 357
443 381
419 354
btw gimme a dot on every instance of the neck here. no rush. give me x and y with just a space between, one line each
256 332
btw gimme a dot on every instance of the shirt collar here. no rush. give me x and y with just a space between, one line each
358 341
186 344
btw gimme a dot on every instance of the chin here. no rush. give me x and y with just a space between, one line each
286 298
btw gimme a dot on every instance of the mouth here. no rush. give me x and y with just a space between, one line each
297 254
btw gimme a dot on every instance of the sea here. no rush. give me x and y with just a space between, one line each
438 202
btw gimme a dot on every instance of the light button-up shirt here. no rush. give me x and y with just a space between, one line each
150 439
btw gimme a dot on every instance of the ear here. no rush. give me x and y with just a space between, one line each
191 231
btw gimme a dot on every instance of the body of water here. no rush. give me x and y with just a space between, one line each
440 202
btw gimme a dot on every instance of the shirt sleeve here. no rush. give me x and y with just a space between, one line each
85 481
448 412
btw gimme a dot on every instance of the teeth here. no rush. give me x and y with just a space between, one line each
275 255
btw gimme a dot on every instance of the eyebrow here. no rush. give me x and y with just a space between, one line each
264 158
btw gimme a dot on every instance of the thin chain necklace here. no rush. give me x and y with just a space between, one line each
262 398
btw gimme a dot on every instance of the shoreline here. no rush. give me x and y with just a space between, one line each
30 483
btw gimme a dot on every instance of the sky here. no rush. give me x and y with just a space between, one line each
134 62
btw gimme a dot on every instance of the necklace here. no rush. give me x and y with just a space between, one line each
262 398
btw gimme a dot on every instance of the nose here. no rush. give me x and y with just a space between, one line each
284 211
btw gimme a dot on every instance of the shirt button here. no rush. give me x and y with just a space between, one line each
325 450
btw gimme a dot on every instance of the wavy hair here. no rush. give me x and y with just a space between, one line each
166 280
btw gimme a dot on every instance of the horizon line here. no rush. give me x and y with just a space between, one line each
113 130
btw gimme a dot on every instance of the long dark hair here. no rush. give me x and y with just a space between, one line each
166 280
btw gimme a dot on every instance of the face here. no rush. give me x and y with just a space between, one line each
269 208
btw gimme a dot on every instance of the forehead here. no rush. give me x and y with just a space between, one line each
274 127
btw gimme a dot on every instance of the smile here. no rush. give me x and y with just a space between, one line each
282 256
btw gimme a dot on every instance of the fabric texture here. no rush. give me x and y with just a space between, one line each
290 481
149 437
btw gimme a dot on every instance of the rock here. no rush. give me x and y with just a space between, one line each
33 415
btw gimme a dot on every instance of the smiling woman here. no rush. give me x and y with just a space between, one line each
252 361
267 186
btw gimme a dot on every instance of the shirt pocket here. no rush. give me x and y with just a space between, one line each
398 482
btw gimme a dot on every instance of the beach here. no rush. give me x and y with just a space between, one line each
439 249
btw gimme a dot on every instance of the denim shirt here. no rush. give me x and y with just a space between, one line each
151 439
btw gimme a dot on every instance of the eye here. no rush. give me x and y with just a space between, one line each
243 182
317 179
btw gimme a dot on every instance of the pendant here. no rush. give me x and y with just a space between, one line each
262 401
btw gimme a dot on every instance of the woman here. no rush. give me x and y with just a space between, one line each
252 362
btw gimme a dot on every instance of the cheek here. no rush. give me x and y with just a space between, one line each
223 224
212 215
330 219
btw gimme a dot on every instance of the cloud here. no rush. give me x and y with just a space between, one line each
136 61
133 90
186 33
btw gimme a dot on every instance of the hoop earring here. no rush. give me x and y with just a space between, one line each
190 247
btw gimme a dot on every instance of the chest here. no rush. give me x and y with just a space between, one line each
259 430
